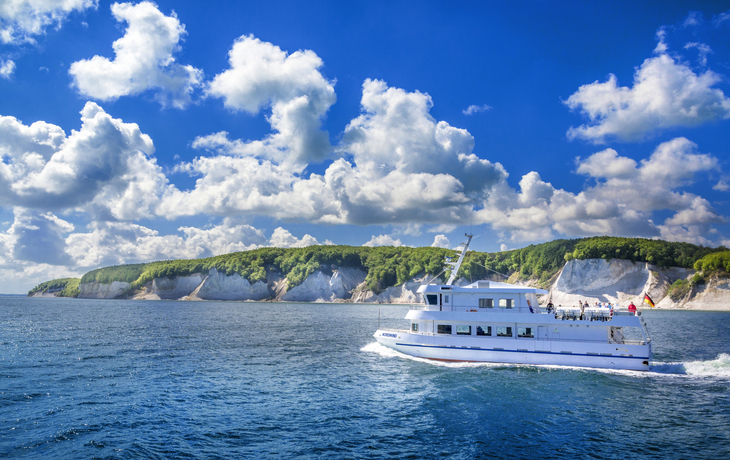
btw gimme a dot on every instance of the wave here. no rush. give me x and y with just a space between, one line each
716 368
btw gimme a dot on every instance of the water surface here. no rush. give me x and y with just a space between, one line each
144 379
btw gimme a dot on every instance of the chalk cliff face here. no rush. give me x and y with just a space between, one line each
170 288
404 293
218 286
715 295
324 288
102 290
621 282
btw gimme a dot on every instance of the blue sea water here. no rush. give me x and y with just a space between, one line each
143 379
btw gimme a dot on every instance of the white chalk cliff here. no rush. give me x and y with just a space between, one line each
622 281
102 290
615 281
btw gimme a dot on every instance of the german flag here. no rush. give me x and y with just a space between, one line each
648 300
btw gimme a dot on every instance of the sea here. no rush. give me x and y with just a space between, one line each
124 379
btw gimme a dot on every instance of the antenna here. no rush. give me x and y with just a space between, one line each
455 265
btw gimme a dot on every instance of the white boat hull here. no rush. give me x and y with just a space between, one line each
517 351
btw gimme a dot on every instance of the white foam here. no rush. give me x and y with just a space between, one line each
718 367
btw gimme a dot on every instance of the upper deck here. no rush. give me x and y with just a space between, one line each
481 294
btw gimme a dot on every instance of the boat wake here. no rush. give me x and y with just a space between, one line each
716 368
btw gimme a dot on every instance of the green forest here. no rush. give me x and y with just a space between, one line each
66 287
389 266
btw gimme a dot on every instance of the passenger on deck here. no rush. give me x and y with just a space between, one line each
632 308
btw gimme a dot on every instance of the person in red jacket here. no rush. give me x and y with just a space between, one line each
632 308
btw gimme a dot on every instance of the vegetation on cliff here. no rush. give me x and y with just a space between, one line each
389 266
66 287
716 262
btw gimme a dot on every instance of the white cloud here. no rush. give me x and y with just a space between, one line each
607 165
472 109
114 243
143 60
104 166
665 94
38 238
282 238
721 18
440 241
261 74
383 240
21 19
702 49
7 68
722 186
503 247
622 202
396 133
405 168
694 18
442 228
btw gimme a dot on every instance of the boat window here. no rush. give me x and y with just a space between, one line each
444 329
486 330
414 327
506 303
463 329
525 332
486 303
504 331
432 299
446 299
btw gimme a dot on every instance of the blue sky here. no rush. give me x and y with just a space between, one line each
132 132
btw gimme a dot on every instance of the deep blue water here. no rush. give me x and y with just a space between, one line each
129 379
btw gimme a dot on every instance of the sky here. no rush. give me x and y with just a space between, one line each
134 132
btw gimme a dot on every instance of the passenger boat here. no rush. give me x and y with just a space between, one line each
496 322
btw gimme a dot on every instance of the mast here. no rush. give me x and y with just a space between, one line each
455 265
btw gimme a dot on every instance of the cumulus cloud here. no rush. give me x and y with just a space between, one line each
38 238
7 68
143 60
622 202
282 238
382 240
440 241
262 75
20 20
399 165
114 243
472 109
105 166
665 94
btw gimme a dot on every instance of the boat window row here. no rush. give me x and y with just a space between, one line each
503 303
526 332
